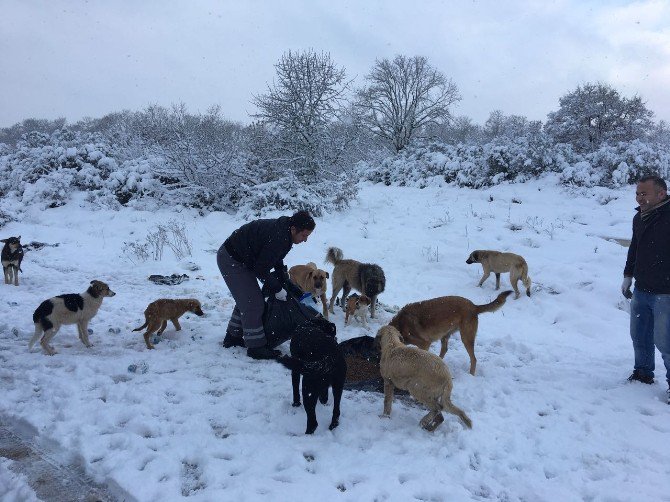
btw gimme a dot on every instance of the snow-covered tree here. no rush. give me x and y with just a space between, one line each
594 114
404 95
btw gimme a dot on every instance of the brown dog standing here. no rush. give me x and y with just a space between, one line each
425 322
161 311
420 372
498 263
357 306
311 280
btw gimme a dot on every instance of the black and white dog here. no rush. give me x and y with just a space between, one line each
12 256
72 308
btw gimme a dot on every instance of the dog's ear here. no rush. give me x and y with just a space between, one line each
4 240
18 238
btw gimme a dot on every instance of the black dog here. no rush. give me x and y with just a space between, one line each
316 356
12 256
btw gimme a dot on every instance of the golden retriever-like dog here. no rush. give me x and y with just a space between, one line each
311 280
498 263
424 375
425 322
158 313
71 308
357 307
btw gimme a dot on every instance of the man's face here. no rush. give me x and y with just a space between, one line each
648 195
298 236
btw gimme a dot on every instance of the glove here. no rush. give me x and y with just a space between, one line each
271 286
281 295
625 287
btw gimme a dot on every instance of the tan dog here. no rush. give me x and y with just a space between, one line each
421 373
498 263
425 322
161 311
357 306
311 280
367 278
72 308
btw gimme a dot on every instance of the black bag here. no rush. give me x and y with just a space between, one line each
281 318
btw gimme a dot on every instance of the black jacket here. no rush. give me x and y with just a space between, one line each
649 253
260 246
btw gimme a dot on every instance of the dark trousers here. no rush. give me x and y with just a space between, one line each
247 319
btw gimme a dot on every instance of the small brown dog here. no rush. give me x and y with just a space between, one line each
498 263
425 322
161 311
311 280
421 373
357 306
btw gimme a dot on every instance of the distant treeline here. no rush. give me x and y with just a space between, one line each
315 136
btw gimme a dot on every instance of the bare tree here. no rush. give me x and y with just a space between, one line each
304 107
593 114
403 96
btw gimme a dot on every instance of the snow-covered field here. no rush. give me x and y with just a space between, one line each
553 416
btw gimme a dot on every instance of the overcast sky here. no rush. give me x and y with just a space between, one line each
75 58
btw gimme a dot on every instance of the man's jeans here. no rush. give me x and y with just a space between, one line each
649 326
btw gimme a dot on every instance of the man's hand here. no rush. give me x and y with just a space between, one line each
281 296
625 287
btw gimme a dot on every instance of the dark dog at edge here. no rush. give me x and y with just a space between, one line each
316 356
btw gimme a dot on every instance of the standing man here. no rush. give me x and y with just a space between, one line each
249 254
649 263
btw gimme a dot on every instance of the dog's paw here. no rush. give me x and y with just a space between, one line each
333 424
296 404
384 415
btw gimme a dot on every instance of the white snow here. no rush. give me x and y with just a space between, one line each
553 416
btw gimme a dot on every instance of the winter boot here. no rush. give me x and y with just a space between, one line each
232 341
264 352
639 377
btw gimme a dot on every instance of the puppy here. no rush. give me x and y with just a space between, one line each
72 308
498 263
357 306
425 322
311 280
316 356
366 278
158 313
421 373
12 256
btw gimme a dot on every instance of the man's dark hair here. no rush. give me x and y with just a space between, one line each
658 181
302 220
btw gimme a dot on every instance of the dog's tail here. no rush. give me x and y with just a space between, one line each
334 255
447 405
495 304
36 336
320 367
146 323
525 279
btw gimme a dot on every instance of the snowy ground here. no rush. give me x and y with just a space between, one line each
553 416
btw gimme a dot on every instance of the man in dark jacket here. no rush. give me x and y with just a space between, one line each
649 263
249 254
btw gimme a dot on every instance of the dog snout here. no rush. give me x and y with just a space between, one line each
198 312
110 293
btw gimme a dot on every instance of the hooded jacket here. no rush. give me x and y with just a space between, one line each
260 246
649 253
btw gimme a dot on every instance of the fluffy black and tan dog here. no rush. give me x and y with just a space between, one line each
12 256
367 278
72 308
316 356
